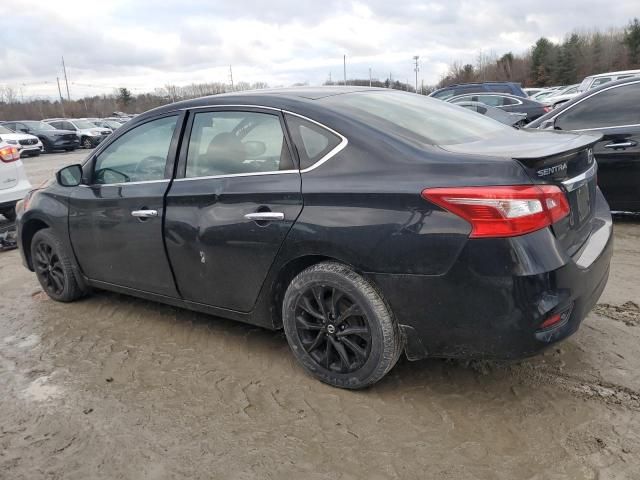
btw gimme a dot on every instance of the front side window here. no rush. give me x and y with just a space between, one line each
137 156
229 143
612 107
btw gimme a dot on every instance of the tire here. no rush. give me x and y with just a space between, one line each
9 214
87 143
53 267
315 326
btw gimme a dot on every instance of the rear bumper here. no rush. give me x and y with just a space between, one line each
493 300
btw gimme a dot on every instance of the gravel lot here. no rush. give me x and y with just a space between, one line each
116 387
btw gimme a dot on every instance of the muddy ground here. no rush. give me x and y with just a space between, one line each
115 387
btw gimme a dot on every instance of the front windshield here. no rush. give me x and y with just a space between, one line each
39 126
5 130
83 124
585 84
112 124
425 119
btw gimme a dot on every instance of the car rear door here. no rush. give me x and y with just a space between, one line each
613 112
237 194
115 219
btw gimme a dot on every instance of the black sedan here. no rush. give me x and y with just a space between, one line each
506 102
52 139
365 222
612 110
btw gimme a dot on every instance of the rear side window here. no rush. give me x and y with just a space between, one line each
235 142
312 141
614 107
444 94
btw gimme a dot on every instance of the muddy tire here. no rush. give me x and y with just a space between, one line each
339 327
53 267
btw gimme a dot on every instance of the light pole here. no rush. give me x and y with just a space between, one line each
416 69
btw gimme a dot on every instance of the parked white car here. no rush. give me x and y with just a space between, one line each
27 145
561 96
13 180
593 81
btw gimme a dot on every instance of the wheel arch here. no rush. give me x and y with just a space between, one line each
29 229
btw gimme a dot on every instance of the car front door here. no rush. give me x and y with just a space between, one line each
236 197
614 113
115 219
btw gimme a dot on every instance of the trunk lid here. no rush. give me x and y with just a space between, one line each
556 158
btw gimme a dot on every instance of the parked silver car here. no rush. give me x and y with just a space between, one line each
89 134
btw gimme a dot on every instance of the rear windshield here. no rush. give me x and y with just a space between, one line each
421 118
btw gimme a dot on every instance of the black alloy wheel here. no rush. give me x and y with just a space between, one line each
49 268
333 329
53 267
339 327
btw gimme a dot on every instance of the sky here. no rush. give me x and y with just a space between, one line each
146 44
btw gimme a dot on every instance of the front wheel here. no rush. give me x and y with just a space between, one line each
87 143
339 327
53 267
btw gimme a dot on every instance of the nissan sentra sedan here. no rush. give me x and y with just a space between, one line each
365 222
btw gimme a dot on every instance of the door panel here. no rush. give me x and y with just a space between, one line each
111 242
219 257
235 163
619 168
115 247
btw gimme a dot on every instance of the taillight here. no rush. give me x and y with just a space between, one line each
547 109
9 154
502 211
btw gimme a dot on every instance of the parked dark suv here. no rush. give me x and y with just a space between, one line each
365 222
492 87
52 139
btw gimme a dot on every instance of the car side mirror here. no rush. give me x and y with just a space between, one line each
254 149
548 124
70 176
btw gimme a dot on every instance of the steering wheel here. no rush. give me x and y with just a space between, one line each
152 166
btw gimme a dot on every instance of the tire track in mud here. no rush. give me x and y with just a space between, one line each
627 313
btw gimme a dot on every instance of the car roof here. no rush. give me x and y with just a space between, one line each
280 98
606 74
578 98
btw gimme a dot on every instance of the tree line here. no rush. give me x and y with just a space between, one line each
546 63
580 54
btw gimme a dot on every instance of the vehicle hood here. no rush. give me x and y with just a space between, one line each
17 136
526 144
55 133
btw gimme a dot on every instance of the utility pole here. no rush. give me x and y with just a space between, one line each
231 75
390 81
330 82
369 76
60 93
344 68
422 87
66 80
416 69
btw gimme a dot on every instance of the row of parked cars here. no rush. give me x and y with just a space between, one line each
604 104
32 137
523 104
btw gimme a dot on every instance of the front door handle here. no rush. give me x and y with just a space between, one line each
265 216
144 213
620 145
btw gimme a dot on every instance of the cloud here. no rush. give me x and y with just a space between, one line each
147 44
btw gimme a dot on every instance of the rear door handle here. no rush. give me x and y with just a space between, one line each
144 213
265 216
620 145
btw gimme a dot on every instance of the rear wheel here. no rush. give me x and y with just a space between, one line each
53 267
339 327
